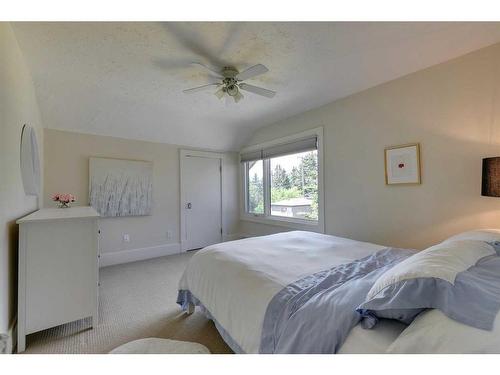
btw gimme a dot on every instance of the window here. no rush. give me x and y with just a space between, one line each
281 181
255 189
294 185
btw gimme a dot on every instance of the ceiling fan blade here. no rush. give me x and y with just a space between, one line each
170 64
213 70
234 31
200 88
257 90
252 72
193 40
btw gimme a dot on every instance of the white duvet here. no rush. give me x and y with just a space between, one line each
236 280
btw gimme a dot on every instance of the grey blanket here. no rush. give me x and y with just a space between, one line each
315 314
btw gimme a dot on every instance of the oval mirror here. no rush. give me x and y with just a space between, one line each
30 161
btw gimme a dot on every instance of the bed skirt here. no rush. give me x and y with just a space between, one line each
186 298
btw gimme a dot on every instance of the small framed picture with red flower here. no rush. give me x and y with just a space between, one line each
402 164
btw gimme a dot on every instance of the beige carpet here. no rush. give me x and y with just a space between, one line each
137 300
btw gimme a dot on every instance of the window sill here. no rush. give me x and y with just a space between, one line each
314 226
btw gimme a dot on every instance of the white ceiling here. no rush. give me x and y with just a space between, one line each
126 79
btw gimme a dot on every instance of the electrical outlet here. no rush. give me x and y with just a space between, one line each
126 237
169 234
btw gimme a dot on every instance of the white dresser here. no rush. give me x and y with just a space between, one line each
58 269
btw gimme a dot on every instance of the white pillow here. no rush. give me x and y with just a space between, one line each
433 332
461 278
487 235
442 261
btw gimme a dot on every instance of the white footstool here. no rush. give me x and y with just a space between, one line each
154 345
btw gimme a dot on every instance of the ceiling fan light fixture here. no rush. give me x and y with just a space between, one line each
220 93
238 97
232 90
231 83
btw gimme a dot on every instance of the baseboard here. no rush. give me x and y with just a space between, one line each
12 337
127 256
133 255
232 237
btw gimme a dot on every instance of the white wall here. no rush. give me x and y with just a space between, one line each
67 171
18 106
452 109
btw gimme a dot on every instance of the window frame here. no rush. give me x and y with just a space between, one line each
266 217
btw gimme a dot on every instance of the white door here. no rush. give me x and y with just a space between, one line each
201 201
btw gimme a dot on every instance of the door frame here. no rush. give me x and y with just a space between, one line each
183 153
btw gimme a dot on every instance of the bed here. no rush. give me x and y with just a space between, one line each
304 292
234 283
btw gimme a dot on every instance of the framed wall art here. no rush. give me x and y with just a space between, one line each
402 164
120 187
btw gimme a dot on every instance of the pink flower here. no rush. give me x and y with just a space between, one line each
65 198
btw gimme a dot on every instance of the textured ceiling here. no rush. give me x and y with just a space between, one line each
126 79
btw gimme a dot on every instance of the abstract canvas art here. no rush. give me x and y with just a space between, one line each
402 164
120 187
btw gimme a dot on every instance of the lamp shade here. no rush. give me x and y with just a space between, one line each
490 186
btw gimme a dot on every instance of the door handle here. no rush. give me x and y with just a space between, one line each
188 206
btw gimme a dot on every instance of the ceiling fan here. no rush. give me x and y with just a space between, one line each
231 82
